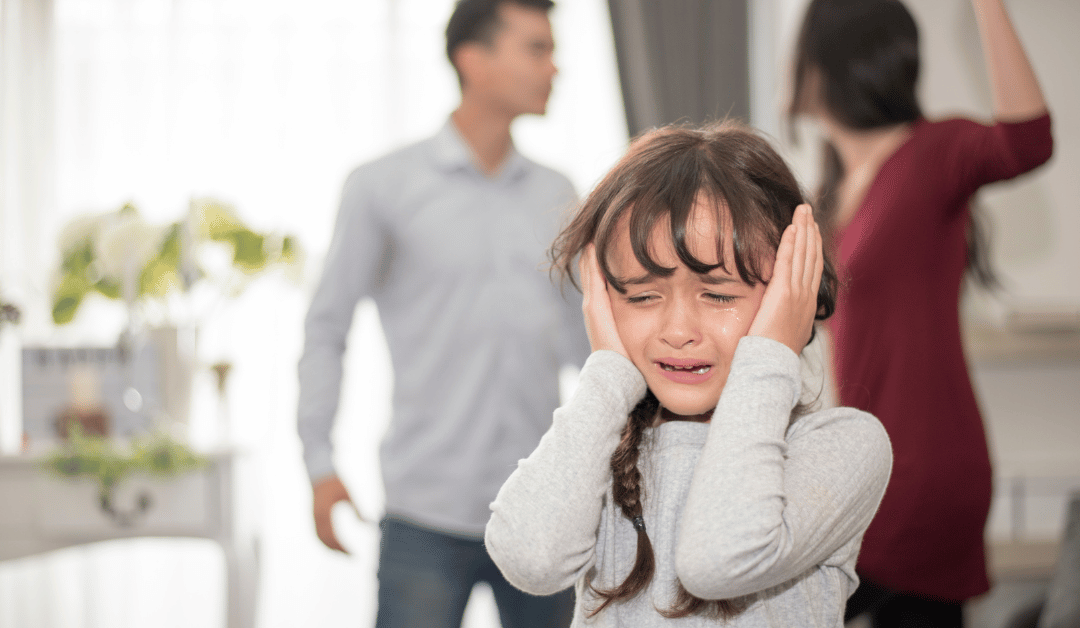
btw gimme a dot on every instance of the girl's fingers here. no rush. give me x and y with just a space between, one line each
596 305
787 309
784 254
592 285
813 249
808 259
585 270
819 262
798 258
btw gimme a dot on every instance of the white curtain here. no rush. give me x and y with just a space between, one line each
25 172
267 105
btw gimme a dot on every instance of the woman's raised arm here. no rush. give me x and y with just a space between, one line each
1016 91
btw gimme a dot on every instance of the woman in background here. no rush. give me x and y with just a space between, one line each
894 204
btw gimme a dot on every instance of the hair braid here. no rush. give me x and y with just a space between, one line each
626 493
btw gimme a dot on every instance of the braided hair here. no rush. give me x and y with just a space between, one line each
626 492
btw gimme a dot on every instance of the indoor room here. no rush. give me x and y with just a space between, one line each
175 185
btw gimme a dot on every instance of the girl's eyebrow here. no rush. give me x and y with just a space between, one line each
713 280
637 281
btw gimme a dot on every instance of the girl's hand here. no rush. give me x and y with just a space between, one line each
790 302
596 305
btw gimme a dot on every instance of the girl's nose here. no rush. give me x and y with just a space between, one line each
681 328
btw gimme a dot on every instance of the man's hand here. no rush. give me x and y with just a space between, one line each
326 493
596 305
790 302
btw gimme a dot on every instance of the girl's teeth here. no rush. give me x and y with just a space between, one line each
698 371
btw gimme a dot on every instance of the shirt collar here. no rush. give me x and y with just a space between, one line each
453 153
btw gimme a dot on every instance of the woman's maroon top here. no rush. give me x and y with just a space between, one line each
898 353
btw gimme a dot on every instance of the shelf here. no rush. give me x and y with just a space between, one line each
1022 559
992 346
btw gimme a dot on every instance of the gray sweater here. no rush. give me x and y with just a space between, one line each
746 505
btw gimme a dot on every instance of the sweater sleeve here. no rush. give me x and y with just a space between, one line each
974 154
358 249
766 502
544 521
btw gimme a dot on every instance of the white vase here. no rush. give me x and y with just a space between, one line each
175 348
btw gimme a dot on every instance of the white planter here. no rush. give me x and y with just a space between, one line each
176 356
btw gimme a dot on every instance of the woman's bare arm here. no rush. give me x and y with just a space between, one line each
1016 91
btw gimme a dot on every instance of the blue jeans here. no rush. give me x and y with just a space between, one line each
425 578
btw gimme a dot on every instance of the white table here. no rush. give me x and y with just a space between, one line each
40 513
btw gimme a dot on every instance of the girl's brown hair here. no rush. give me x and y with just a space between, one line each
658 182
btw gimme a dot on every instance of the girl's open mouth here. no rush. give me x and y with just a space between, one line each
697 369
685 371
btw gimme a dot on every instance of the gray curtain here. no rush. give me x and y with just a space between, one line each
681 60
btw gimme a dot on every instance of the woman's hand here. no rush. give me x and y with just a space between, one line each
790 302
596 305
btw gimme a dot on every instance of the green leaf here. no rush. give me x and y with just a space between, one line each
170 246
219 222
96 456
158 279
288 249
108 287
248 251
64 309
162 273
68 296
78 258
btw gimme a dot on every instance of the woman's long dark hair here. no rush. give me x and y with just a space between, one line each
860 60
659 181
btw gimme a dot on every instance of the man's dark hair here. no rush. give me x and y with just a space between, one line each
478 20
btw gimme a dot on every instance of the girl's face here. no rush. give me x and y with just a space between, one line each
681 331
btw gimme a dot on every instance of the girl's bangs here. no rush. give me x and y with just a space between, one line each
673 205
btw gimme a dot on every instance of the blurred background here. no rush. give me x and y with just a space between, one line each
266 106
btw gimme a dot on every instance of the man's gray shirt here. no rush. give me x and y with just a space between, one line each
477 331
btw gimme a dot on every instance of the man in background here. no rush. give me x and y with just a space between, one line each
448 237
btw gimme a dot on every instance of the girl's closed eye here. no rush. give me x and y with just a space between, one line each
721 298
641 298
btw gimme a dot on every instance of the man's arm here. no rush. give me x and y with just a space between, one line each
574 343
358 245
